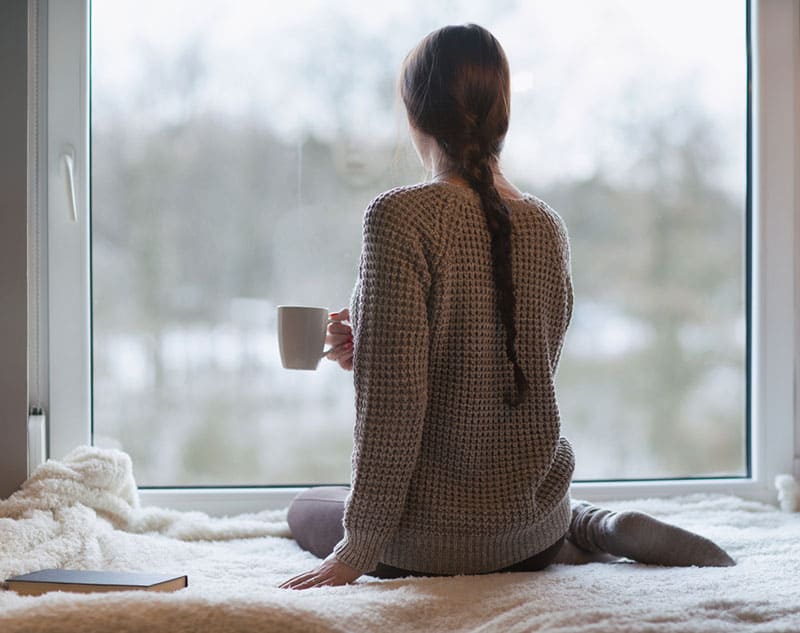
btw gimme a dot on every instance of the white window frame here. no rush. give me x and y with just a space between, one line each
63 354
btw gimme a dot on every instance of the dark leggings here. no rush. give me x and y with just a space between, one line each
315 519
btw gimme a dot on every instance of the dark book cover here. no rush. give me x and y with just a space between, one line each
84 581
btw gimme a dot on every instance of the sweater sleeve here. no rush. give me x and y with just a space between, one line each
390 372
562 300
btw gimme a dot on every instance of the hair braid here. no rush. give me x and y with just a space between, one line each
477 170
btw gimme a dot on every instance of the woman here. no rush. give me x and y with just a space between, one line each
459 314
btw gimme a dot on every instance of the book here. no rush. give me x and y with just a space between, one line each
81 581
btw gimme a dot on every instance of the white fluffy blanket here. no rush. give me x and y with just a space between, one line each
84 513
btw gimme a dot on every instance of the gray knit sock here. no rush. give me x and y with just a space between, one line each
571 554
642 538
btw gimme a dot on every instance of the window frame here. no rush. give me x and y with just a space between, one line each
64 350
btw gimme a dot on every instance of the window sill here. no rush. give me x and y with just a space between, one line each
232 501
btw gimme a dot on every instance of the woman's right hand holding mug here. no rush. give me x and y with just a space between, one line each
340 338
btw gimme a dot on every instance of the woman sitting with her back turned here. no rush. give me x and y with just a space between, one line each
458 318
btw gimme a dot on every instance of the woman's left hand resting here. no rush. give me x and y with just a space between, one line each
331 573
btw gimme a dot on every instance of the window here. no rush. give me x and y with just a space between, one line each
233 152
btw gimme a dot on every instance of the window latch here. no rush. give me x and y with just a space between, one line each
69 164
37 438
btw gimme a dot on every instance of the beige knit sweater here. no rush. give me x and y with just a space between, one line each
446 477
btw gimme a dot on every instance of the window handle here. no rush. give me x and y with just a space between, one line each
69 163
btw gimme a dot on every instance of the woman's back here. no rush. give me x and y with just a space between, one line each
475 483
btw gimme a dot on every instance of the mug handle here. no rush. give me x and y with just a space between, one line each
325 352
329 350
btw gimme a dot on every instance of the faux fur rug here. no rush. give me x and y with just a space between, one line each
84 513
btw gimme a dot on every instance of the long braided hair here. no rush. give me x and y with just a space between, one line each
455 86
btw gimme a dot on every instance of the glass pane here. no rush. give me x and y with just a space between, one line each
235 146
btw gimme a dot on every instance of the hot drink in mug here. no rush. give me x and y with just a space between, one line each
301 335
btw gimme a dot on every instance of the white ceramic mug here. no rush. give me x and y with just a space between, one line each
301 335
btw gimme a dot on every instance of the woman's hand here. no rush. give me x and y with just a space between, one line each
331 573
340 338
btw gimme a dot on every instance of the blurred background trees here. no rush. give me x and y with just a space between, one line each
206 216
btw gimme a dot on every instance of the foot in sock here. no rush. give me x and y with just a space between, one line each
571 554
642 538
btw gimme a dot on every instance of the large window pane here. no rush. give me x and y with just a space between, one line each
235 146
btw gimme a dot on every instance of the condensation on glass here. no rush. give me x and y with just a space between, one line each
236 145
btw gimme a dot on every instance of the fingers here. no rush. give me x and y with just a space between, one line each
311 579
331 573
339 334
341 315
340 338
340 345
314 581
339 328
342 352
337 339
297 580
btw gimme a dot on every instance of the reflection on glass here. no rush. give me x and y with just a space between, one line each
235 146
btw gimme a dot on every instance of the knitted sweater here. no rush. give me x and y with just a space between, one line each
446 477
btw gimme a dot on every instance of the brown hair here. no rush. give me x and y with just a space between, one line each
456 88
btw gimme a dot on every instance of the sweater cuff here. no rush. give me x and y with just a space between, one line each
360 550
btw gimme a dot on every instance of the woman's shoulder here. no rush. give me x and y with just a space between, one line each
542 209
410 195
410 206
